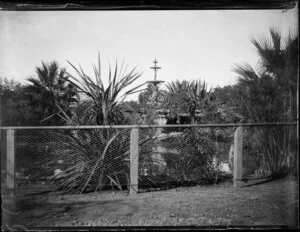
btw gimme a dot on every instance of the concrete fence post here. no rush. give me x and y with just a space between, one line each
134 160
10 161
238 157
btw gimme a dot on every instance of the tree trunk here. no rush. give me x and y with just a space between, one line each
105 114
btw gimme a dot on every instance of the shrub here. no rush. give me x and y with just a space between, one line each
92 159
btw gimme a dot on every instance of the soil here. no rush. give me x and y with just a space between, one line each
275 203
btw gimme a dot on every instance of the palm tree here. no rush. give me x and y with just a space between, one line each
48 90
279 59
275 54
198 98
188 97
177 86
260 95
270 93
278 63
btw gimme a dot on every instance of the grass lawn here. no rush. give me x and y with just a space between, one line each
275 203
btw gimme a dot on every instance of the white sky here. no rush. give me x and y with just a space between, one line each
187 44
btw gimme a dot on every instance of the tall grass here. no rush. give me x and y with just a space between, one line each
277 148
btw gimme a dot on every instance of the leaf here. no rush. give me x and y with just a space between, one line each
104 99
100 158
115 183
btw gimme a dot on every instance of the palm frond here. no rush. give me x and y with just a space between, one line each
246 73
276 39
48 88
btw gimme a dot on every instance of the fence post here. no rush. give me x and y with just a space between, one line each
238 157
10 161
134 160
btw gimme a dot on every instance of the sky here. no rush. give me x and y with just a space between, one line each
197 44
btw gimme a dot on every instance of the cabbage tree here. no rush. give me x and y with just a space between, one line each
105 105
96 158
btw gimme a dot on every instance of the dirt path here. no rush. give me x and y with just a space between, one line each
273 203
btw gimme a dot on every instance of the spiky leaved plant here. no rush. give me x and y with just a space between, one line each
94 158
106 103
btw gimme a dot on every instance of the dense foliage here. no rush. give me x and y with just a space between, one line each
94 159
97 158
199 153
39 102
49 91
13 105
269 95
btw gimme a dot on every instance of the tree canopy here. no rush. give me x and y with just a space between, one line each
49 91
269 93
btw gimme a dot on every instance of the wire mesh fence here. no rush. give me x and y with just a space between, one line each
184 156
80 160
3 148
73 161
